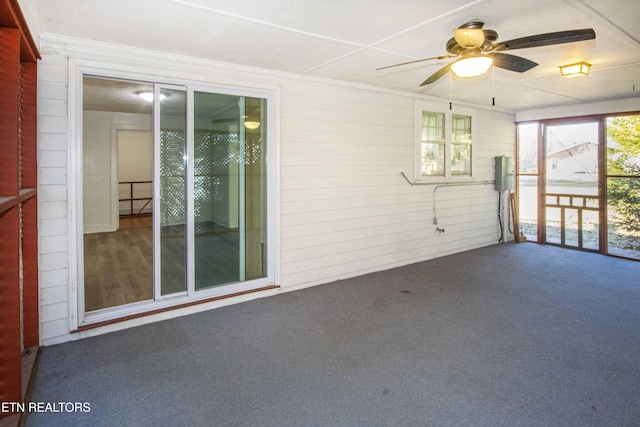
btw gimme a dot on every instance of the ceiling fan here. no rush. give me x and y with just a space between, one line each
478 49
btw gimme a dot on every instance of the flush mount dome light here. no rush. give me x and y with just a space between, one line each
148 96
471 66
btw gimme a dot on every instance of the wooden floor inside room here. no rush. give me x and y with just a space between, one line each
118 266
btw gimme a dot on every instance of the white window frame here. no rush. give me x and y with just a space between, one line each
422 106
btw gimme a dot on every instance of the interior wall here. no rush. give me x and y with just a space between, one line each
99 143
343 207
135 164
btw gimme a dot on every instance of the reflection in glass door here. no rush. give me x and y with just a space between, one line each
171 167
571 185
229 189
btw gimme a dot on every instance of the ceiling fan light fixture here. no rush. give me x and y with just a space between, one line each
472 66
251 124
578 69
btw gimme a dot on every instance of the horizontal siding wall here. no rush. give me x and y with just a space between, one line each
53 198
344 208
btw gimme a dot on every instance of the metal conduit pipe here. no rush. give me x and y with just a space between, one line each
444 184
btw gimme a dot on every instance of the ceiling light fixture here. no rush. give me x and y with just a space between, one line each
472 65
575 70
251 124
148 96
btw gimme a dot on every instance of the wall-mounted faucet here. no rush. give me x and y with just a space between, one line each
440 230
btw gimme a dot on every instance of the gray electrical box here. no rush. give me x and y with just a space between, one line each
505 173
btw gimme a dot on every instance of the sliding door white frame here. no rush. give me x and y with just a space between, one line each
76 290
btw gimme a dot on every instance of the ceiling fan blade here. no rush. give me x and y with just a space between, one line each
435 76
546 39
512 62
417 60
453 47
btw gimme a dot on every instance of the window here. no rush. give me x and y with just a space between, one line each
433 144
460 145
445 143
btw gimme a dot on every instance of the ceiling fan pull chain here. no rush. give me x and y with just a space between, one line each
450 92
493 85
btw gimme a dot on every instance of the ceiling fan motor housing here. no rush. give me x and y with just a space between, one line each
469 38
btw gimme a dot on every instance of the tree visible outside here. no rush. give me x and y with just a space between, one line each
623 183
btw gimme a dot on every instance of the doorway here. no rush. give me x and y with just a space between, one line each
579 183
571 191
187 175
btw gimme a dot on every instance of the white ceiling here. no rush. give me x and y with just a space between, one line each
349 39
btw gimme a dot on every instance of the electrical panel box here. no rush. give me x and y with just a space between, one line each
505 173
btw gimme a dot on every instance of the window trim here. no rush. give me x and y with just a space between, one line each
431 107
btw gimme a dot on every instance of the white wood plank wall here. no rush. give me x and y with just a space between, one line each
52 197
344 208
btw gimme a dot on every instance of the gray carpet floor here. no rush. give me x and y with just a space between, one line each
508 335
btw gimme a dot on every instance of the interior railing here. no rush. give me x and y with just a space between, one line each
133 199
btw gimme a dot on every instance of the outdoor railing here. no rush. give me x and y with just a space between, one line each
572 202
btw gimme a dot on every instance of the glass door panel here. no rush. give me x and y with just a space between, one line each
571 189
116 226
172 220
255 189
229 189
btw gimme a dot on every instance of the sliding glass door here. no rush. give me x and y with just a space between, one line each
211 200
230 177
